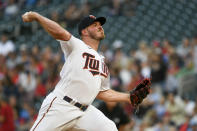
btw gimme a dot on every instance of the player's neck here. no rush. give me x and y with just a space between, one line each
93 43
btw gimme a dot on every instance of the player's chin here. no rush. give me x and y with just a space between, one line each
102 36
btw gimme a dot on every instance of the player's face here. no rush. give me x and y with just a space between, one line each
96 31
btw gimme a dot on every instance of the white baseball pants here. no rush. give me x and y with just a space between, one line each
58 115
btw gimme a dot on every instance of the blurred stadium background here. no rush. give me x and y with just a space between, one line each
144 38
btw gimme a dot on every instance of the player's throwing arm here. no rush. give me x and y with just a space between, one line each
54 29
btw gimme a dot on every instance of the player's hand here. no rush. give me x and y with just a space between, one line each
140 92
29 16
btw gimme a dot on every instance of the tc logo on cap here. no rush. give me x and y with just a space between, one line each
91 16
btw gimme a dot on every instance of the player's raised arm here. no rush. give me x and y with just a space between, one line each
54 29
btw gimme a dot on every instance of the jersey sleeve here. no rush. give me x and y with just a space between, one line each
68 46
105 84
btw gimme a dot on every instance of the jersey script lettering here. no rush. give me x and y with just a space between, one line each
92 65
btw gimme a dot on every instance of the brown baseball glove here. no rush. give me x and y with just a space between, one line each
140 92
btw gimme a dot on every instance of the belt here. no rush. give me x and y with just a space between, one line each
75 103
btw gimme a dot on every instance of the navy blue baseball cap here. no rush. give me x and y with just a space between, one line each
88 20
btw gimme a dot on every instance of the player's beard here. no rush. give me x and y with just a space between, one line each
95 36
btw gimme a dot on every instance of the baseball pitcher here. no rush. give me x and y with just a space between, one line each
84 77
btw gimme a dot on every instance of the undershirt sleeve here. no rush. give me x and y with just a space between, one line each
105 84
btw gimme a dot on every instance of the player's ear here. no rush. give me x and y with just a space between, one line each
84 32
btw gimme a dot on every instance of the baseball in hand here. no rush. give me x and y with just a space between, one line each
28 16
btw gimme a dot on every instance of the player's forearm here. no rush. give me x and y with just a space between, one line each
113 96
54 29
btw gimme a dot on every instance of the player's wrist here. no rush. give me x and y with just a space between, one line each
36 16
128 99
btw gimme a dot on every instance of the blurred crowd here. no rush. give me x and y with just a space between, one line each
172 103
27 75
67 16
75 10
13 7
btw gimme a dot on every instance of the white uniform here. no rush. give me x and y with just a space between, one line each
83 75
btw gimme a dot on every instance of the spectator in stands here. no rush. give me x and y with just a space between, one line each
23 56
175 109
125 74
9 86
27 82
151 103
193 121
165 124
158 69
35 66
35 51
186 125
2 6
40 89
173 69
115 80
184 49
6 115
54 16
47 54
189 105
185 52
11 60
105 51
160 107
6 45
136 75
120 59
72 14
150 119
116 113
15 106
167 49
11 8
194 53
85 8
25 116
142 52
115 8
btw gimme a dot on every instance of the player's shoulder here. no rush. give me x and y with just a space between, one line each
72 41
74 38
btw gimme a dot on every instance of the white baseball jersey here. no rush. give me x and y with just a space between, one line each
84 73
